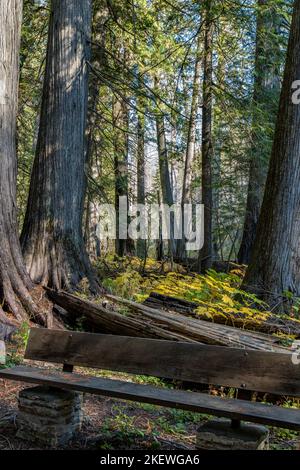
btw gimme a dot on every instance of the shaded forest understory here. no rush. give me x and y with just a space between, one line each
206 114
113 106
167 298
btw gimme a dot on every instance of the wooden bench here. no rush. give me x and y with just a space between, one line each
192 362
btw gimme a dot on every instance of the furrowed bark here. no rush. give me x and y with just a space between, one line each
274 269
52 239
266 90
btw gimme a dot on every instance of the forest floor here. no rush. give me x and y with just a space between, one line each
218 296
111 424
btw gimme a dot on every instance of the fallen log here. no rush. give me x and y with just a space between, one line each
209 333
273 324
140 320
106 320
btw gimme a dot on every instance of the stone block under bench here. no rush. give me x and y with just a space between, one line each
48 416
221 434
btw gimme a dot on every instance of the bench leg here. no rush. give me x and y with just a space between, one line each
48 416
219 434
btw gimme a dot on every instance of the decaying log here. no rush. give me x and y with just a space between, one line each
273 324
106 320
203 331
140 320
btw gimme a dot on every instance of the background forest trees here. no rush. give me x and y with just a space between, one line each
161 100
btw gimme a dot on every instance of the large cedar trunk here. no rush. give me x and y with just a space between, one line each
274 268
52 239
266 91
15 283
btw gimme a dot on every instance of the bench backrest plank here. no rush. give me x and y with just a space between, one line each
239 368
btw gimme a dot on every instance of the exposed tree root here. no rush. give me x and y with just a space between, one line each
58 264
15 284
18 296
7 327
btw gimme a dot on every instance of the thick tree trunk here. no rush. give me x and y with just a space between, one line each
266 88
206 254
52 239
15 283
274 268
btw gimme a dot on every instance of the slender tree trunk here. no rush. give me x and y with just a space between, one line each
120 121
206 254
274 267
141 244
15 283
165 179
164 172
52 239
121 154
220 132
266 85
98 63
159 242
191 142
191 138
92 242
99 33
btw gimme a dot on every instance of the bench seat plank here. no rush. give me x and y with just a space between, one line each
197 402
